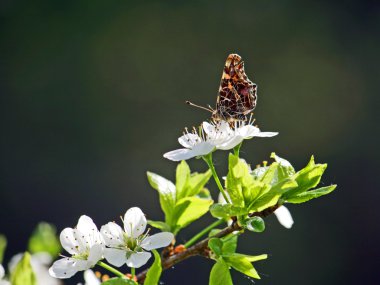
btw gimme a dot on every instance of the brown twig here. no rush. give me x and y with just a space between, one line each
201 248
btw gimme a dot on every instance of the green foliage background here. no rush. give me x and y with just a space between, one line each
93 95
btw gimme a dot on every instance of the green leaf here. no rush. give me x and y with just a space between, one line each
44 239
188 210
189 184
238 179
197 182
230 243
167 194
119 281
220 274
307 178
255 224
252 258
273 195
242 264
182 178
3 245
306 196
270 176
159 225
23 273
225 211
216 245
154 272
285 165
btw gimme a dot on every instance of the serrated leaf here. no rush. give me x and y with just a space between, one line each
23 273
220 274
306 196
273 195
167 194
159 225
242 264
182 178
188 210
44 239
3 246
225 211
119 281
154 272
307 178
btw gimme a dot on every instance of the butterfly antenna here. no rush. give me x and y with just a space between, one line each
201 107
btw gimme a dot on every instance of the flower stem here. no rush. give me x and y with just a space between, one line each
133 272
208 159
237 149
203 232
111 269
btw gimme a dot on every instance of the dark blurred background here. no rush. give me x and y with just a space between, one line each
92 95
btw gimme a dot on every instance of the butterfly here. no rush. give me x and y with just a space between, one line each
237 96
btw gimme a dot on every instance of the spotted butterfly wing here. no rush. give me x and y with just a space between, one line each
237 94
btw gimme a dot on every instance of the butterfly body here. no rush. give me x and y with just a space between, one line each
237 94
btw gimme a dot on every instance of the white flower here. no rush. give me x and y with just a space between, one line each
84 243
226 138
193 145
2 273
131 245
90 278
284 217
219 135
40 264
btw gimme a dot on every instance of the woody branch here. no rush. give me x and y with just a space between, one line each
201 248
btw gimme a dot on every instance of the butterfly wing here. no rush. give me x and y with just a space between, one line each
237 94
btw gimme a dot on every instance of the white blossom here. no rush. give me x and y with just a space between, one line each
131 245
284 217
40 263
212 136
84 243
193 145
2 274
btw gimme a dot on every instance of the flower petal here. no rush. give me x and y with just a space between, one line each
89 231
138 259
90 278
189 140
157 241
230 143
95 254
134 222
68 241
179 154
202 148
112 234
284 217
116 257
2 272
266 134
66 267
209 129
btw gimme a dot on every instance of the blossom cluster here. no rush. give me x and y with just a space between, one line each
87 245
